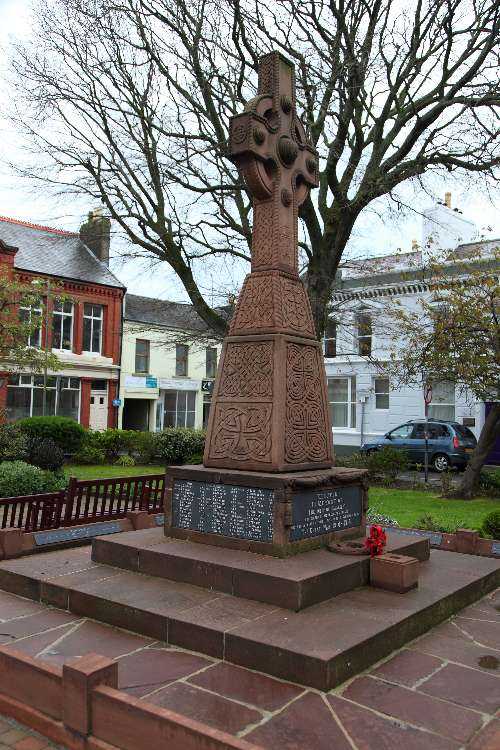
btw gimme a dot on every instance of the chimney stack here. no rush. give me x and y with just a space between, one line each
96 234
447 200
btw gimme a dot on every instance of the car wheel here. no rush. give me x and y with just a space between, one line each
441 462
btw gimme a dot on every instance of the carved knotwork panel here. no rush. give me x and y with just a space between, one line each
263 242
248 371
295 307
241 432
256 304
306 421
273 301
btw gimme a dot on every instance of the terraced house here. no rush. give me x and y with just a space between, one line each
81 321
169 363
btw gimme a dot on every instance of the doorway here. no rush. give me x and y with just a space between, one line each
98 419
136 414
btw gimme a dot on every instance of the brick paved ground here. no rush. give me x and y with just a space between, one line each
14 736
440 692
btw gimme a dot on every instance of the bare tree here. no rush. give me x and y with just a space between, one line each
129 102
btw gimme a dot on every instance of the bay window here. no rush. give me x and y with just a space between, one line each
25 396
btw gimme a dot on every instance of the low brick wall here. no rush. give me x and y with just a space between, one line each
78 706
465 541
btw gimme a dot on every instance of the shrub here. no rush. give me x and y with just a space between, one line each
13 443
387 461
145 446
490 482
89 454
114 442
354 461
19 478
491 525
64 431
428 523
176 445
46 454
125 460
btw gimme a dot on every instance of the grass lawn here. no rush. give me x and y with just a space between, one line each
408 506
106 471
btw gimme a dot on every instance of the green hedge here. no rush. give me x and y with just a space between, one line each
64 431
13 443
19 478
176 445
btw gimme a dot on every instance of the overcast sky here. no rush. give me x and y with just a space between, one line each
372 236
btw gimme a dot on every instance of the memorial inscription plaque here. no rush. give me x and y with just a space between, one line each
325 511
230 510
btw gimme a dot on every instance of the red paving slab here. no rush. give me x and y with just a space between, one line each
412 707
18 737
434 694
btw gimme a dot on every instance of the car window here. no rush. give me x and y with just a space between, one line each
401 433
438 431
464 431
418 432
434 431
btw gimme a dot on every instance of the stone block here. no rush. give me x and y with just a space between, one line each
140 519
397 573
80 677
466 541
11 543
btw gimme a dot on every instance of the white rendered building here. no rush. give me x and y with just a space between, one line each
363 403
168 366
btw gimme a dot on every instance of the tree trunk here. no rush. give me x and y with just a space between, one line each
489 433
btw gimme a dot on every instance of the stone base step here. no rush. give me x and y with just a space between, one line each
320 646
293 583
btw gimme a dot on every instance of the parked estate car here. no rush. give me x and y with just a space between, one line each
449 443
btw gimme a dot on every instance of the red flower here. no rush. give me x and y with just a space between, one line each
376 541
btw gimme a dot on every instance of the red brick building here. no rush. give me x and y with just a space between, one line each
84 329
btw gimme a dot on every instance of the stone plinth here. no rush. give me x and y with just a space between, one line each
274 514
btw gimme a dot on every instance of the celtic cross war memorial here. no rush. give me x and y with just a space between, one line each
267 482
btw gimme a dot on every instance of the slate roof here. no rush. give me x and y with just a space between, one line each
54 252
162 312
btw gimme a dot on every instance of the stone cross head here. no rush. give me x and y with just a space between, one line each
270 147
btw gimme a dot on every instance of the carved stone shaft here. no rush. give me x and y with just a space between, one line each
269 408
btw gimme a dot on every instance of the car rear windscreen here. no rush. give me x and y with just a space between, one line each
464 431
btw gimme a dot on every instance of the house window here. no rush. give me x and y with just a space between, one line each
31 316
142 356
179 408
25 397
364 334
62 326
92 328
211 362
381 393
207 402
342 400
443 401
181 359
330 341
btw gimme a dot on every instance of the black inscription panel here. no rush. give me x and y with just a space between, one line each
226 509
324 511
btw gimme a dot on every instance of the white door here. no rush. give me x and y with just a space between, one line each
98 410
